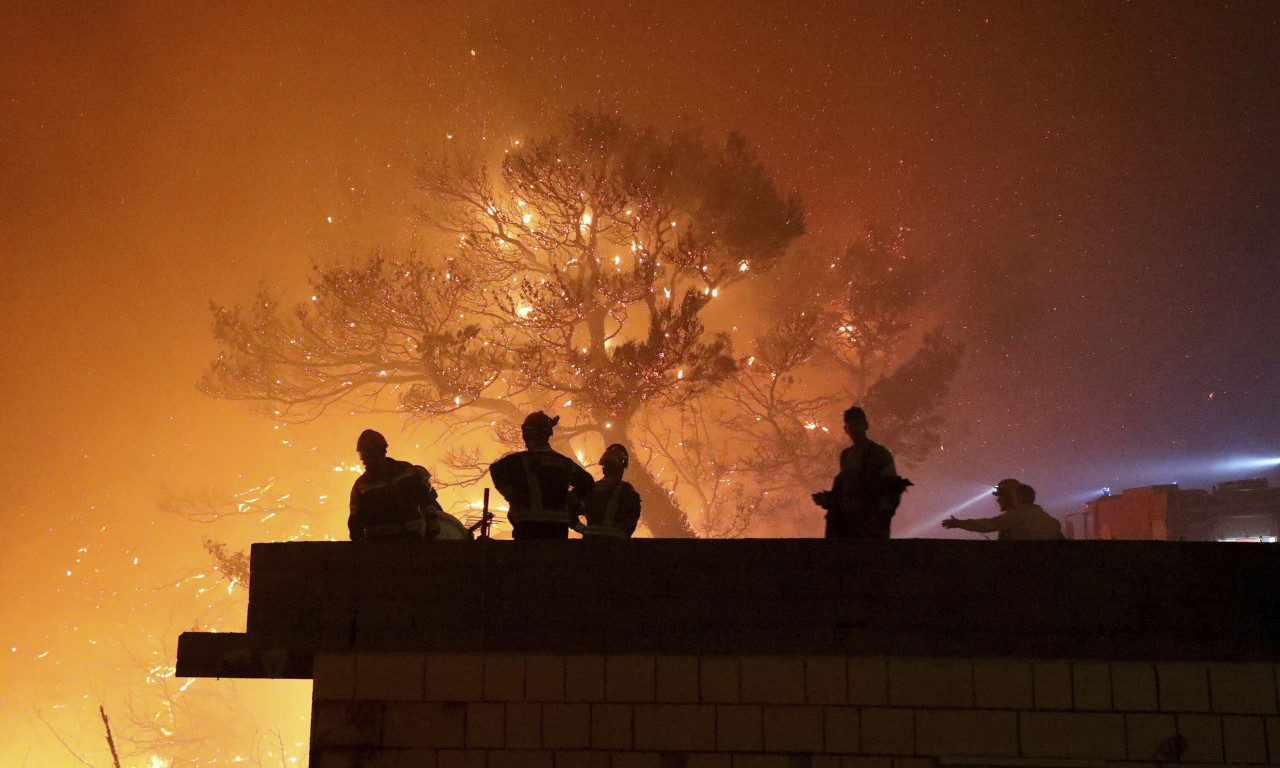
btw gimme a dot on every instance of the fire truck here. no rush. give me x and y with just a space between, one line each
1240 510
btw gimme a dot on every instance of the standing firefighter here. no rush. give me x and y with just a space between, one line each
540 484
612 509
867 490
392 499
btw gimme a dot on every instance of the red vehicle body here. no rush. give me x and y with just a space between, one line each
1242 510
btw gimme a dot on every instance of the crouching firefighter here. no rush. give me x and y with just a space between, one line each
612 509
393 499
543 488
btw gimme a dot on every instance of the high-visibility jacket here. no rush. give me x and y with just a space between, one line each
396 502
540 485
611 509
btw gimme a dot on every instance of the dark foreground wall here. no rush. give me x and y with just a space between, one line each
768 654
911 598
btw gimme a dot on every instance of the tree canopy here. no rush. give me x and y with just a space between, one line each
578 278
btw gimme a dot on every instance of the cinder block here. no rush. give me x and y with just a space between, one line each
636 760
584 678
425 724
1203 735
333 676
888 731
1077 735
346 723
521 758
930 683
504 678
675 727
629 678
1052 684
460 758
868 681
826 680
720 679
793 729
398 758
454 677
773 680
708 760
381 612
336 757
762 761
978 732
1148 737
544 678
840 729
1183 687
612 726
1002 684
1244 739
739 727
581 759
1243 689
566 726
523 726
1133 687
1091 686
388 676
486 725
862 761
677 679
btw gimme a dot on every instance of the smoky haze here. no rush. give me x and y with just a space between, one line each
1096 188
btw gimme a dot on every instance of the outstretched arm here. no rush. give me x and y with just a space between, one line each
977 525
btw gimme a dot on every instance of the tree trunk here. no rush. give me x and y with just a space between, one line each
658 510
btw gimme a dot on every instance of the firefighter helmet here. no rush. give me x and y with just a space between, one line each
540 420
371 440
615 455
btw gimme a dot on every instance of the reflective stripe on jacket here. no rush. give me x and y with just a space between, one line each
611 509
540 485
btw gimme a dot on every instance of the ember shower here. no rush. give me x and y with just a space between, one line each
1093 186
580 277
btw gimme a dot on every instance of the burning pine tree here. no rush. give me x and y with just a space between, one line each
578 279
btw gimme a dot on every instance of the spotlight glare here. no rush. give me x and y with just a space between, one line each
933 521
1248 463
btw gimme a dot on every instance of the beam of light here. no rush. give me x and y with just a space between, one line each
1183 472
1076 499
1247 463
932 522
1186 471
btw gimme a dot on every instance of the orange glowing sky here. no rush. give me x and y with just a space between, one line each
1097 183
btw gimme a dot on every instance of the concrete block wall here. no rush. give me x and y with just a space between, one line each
494 710
1105 600
762 653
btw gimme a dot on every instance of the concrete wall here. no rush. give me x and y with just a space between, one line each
960 599
660 711
758 653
